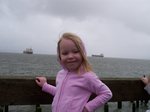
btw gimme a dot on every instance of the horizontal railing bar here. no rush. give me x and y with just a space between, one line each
24 91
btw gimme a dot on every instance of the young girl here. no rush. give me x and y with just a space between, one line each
75 82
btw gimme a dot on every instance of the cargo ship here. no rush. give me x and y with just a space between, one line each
101 55
28 51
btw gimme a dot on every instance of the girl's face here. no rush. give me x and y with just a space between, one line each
70 55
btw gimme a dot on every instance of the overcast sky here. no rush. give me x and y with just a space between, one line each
116 28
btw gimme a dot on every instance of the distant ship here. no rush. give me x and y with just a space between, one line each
101 55
28 51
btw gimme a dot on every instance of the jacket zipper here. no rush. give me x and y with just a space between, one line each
62 87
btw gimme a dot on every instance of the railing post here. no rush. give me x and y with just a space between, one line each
119 105
133 106
106 108
6 108
145 102
137 103
38 108
1 108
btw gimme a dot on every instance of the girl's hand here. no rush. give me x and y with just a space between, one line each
145 80
40 81
85 110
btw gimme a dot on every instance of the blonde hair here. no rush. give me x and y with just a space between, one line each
79 44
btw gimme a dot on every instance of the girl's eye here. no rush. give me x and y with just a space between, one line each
77 51
64 53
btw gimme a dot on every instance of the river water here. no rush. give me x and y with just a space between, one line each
15 64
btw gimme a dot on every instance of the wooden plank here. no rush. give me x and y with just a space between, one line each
126 89
24 91
21 91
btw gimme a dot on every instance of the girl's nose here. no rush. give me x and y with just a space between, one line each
70 55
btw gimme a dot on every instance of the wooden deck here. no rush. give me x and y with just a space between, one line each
24 91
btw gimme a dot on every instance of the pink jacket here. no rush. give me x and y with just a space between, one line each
72 92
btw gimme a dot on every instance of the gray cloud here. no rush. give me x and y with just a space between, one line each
115 28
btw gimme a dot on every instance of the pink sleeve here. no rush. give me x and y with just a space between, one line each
49 89
101 90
